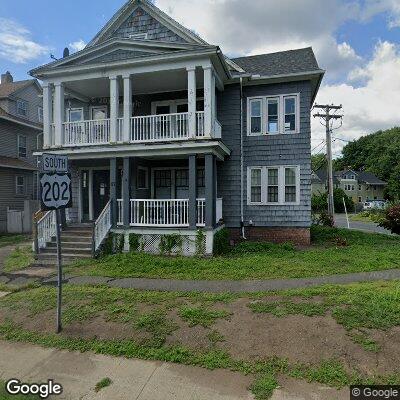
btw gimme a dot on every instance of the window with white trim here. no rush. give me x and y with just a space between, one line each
22 108
256 116
22 146
278 185
273 115
20 185
255 190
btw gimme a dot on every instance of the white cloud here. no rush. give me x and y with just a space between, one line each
16 44
263 26
392 7
371 107
78 45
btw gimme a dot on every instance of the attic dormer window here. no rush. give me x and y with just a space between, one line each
140 36
22 108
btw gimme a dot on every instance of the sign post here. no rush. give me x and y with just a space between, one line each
56 194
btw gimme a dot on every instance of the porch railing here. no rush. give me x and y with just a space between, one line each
90 132
173 212
165 213
102 226
46 229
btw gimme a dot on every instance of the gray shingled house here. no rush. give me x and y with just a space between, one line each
21 116
167 135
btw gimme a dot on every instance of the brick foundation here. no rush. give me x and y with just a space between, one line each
297 236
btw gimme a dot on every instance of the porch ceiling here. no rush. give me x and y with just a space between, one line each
154 82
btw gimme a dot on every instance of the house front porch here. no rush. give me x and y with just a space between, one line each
148 196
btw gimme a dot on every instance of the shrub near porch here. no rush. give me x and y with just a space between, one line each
334 251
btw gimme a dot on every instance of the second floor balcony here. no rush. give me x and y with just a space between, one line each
167 106
141 129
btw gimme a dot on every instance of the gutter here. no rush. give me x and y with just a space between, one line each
16 121
241 162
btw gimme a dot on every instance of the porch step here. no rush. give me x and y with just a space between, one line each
65 244
65 256
74 239
67 250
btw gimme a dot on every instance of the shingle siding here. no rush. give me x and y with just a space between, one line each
264 151
141 22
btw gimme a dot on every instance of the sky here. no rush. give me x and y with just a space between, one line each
357 42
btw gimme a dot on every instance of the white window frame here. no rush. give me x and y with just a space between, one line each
18 186
75 109
24 107
26 146
281 116
40 114
139 36
281 185
146 170
249 115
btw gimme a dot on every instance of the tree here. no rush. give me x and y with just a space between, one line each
378 153
318 161
319 202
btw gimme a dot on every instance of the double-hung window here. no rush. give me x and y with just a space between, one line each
273 115
273 185
22 108
256 111
20 186
21 146
256 186
278 185
290 185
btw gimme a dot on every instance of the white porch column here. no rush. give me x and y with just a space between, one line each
47 114
114 107
208 100
59 114
192 101
127 108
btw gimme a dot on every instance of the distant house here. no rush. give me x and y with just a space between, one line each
360 186
21 116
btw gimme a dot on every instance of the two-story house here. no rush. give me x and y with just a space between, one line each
21 116
360 186
166 134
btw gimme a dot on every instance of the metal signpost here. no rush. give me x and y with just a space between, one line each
56 194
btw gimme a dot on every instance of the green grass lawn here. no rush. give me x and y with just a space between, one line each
6 240
19 259
334 251
358 308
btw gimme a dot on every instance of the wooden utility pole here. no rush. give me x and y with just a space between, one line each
327 117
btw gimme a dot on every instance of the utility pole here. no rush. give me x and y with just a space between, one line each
327 117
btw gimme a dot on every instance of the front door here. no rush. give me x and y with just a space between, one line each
162 184
101 191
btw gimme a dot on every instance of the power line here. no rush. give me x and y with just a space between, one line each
327 119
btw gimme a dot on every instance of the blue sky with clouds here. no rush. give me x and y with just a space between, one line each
356 41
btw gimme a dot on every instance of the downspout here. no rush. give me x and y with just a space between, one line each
241 162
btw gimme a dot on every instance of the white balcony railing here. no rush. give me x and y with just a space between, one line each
84 133
142 129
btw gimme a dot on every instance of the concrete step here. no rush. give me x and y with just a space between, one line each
80 232
51 258
84 244
67 250
74 239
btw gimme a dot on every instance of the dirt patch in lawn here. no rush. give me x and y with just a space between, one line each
300 339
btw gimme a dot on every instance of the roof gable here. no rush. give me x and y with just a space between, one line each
9 89
142 17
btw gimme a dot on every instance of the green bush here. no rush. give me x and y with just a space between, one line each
391 219
221 242
200 243
169 242
134 241
319 202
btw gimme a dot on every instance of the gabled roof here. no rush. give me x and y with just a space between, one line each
370 178
18 120
8 89
321 174
129 7
280 63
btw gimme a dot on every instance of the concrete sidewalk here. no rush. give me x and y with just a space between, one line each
175 285
132 379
